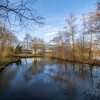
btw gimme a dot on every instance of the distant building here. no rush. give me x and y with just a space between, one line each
25 51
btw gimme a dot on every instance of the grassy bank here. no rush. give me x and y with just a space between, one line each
28 55
6 61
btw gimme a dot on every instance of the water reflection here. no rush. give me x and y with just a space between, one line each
45 79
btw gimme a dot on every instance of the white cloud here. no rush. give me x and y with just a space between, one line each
50 30
51 33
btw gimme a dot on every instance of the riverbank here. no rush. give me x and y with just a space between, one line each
27 55
89 62
6 61
92 62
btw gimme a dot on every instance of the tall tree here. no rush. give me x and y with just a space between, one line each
27 42
71 24
91 31
97 22
38 45
83 34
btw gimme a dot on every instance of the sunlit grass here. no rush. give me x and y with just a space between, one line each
28 55
5 61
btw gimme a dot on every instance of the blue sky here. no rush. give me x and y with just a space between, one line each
55 13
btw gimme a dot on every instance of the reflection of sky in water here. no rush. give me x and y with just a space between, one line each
43 79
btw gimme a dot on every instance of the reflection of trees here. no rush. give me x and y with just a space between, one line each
35 68
38 62
70 76
27 76
38 65
75 75
18 63
7 76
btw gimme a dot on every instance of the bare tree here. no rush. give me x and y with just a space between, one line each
7 41
71 24
83 34
38 45
27 42
97 22
91 31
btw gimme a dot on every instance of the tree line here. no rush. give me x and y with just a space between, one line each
80 38
36 44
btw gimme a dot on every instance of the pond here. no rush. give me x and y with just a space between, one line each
47 79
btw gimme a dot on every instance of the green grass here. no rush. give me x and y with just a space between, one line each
27 55
5 61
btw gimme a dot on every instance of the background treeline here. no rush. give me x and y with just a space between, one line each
8 42
80 38
36 44
10 45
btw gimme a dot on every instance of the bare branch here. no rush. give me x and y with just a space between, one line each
19 11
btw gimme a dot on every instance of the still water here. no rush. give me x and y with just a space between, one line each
45 79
